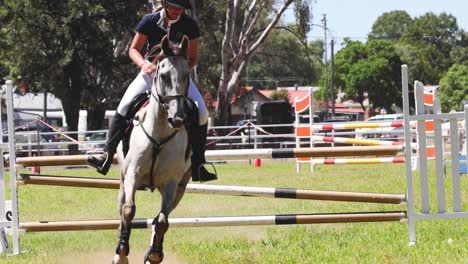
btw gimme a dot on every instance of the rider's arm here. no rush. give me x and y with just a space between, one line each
193 53
134 52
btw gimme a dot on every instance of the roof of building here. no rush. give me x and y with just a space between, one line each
299 93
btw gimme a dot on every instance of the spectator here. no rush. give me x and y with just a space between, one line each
21 88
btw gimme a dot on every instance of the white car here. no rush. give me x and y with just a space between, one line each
388 133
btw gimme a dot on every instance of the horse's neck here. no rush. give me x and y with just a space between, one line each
158 123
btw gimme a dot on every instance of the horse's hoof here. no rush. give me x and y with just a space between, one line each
119 260
153 257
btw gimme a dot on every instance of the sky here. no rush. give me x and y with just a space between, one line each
354 18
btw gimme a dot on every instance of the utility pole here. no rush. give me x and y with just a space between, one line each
324 21
332 86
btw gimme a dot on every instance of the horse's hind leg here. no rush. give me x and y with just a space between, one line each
127 213
161 224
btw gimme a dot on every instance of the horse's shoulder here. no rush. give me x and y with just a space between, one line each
140 116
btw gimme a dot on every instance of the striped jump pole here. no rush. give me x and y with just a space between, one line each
359 161
356 125
286 193
289 219
306 129
364 142
269 153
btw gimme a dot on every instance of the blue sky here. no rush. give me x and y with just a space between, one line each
354 18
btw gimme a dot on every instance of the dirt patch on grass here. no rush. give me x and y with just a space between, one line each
136 256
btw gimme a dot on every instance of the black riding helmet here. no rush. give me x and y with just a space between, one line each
178 3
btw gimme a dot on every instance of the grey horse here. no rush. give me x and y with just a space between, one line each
159 153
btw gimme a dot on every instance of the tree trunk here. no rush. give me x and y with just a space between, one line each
238 46
222 117
95 118
71 100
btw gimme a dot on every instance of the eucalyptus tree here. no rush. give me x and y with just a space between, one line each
210 15
242 40
285 60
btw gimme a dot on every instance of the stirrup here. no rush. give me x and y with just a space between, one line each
209 176
102 166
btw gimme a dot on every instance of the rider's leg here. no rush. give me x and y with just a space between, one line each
198 137
102 161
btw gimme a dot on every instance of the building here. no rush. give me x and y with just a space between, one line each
244 102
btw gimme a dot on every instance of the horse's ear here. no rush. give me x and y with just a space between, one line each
185 44
165 45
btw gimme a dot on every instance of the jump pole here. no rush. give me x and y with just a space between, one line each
270 192
365 142
237 154
289 219
359 161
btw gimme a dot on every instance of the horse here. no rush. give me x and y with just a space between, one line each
159 153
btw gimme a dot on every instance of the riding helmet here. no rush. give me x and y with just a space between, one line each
178 3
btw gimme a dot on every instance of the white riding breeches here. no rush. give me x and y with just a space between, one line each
142 83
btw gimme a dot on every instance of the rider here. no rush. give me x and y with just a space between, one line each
170 20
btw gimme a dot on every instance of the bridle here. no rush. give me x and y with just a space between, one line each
161 99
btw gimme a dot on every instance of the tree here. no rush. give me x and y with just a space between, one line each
276 63
210 15
280 95
72 48
454 88
242 41
433 38
373 69
391 25
459 54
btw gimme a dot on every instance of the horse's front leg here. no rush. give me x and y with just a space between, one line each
161 224
127 213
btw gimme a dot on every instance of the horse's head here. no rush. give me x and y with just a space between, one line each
172 80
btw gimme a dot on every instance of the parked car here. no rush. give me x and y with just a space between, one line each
338 119
28 135
304 119
246 131
385 133
96 141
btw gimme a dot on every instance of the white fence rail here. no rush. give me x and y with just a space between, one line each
248 137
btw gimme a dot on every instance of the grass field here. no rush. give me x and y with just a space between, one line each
439 241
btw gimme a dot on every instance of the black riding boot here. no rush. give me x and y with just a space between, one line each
103 161
198 142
